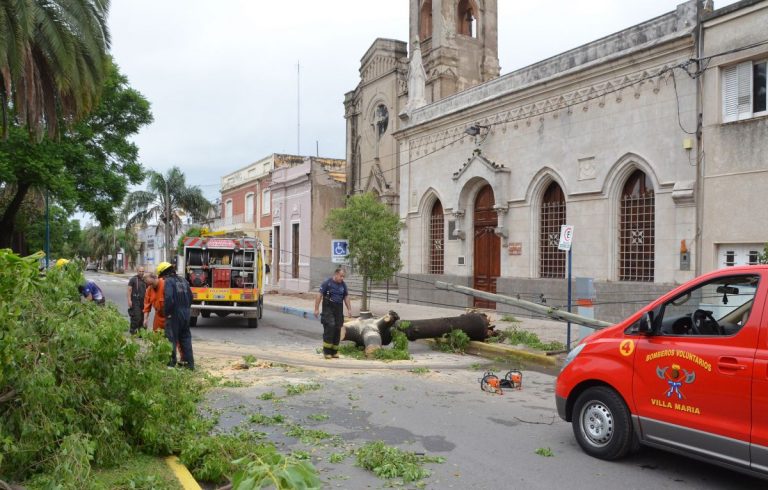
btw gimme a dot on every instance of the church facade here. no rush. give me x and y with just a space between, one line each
486 169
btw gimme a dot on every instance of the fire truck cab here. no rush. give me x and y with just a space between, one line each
226 275
687 373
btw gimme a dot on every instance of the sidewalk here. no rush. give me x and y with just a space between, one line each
302 304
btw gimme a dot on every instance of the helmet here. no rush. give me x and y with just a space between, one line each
162 267
61 263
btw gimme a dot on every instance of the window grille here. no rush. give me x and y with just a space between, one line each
551 259
436 240
637 230
730 258
754 257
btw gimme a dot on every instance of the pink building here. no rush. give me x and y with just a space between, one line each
302 197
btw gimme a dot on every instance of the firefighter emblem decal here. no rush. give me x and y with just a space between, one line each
675 377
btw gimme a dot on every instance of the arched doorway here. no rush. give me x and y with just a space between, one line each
487 259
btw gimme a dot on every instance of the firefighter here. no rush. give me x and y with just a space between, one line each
334 295
92 292
136 293
155 289
178 309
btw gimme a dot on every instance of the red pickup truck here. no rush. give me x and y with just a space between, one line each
688 373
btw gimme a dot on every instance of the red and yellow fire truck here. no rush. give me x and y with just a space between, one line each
226 274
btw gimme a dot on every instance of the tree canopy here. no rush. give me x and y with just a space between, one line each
53 60
373 232
166 200
89 167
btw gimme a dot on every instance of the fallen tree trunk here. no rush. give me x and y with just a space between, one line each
368 332
475 325
553 313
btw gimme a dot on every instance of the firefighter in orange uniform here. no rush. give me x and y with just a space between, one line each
154 298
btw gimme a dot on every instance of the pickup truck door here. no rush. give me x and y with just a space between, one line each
692 391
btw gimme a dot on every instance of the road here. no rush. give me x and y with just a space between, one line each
432 404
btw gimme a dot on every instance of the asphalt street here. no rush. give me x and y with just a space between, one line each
431 404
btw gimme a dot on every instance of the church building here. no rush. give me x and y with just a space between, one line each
484 169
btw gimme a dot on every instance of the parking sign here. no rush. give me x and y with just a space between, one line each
339 251
566 237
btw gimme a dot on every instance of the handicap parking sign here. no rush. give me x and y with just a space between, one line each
339 251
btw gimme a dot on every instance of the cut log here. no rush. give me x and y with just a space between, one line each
368 332
475 325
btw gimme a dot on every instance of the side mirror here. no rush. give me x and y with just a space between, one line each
645 325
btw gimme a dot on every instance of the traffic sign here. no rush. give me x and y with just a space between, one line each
339 251
566 237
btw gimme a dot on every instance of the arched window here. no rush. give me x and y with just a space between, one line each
552 217
436 239
425 20
467 18
637 229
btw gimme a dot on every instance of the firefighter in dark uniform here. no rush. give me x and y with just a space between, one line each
136 291
334 295
177 305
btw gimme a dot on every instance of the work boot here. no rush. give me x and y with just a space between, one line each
327 356
335 355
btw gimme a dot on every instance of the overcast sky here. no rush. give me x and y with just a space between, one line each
222 76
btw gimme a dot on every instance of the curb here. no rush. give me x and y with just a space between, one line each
495 350
186 479
478 348
290 310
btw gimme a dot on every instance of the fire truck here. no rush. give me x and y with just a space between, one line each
226 275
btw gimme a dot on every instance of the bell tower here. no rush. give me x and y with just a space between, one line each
459 43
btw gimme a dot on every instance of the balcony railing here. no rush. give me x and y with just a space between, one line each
234 222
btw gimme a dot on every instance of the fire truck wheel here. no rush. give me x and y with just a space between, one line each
205 313
192 321
253 322
602 424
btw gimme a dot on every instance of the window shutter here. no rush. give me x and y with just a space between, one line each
730 94
745 89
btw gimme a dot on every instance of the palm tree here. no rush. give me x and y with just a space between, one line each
53 58
166 199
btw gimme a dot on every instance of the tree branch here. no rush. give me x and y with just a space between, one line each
7 396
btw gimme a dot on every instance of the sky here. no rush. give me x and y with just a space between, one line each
224 85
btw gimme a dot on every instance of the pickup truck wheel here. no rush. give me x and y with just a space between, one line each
602 424
192 321
253 322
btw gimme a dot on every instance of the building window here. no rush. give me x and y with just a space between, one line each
228 212
467 17
266 202
425 20
249 208
381 120
551 259
729 255
436 240
744 91
637 229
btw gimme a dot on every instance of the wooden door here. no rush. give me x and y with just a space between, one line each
487 261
